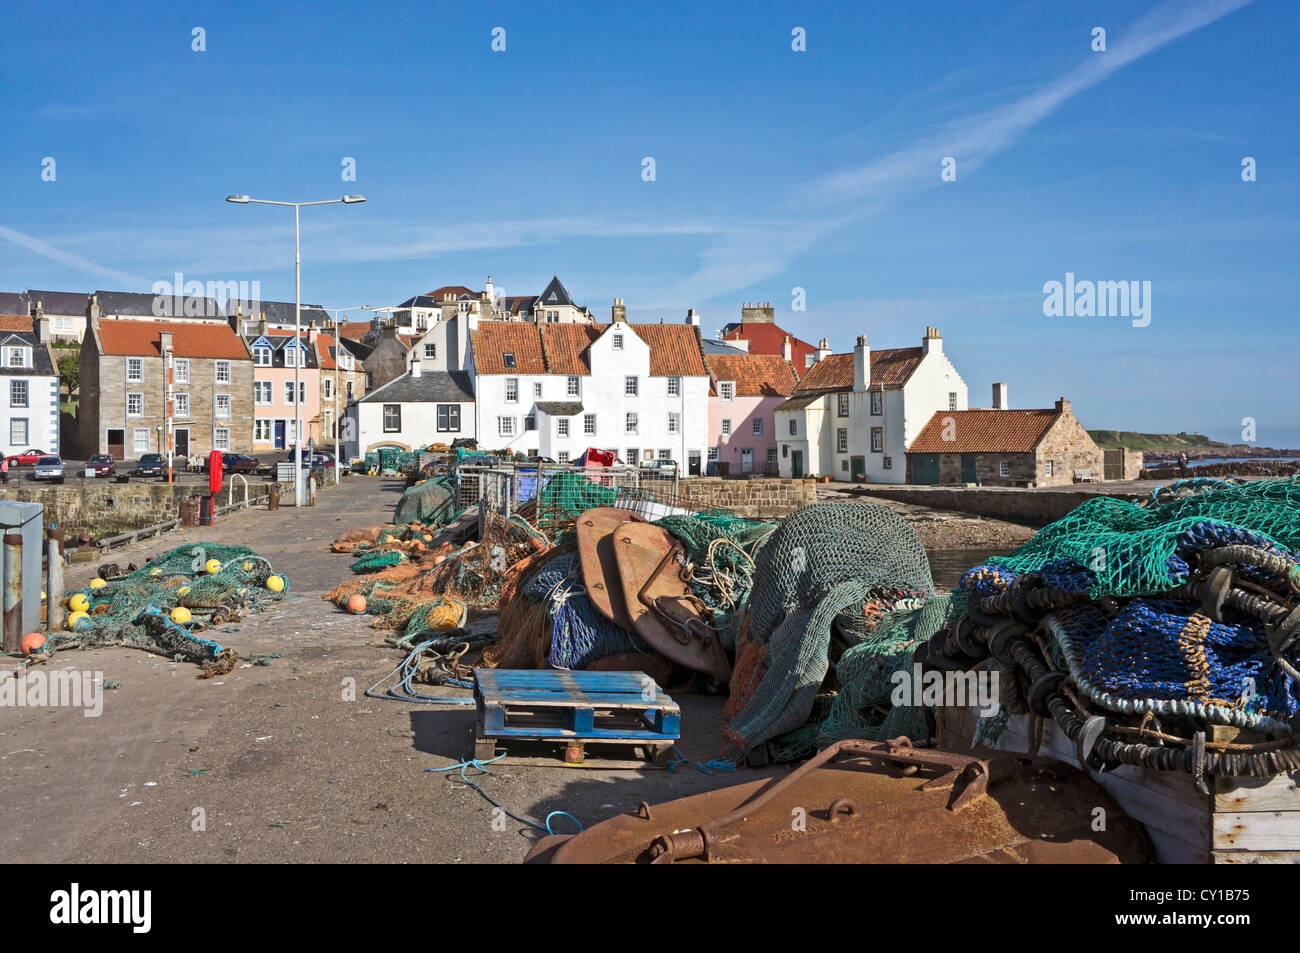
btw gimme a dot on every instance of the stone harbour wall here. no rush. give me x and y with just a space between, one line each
105 509
755 499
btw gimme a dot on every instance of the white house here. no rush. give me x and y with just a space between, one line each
555 389
411 411
29 392
854 415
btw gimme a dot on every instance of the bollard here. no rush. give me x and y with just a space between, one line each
13 592
54 580
311 491
273 497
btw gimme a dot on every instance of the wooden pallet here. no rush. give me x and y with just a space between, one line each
573 709
1243 820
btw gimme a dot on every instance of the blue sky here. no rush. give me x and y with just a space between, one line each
774 170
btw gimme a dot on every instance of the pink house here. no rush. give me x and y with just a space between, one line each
743 394
275 407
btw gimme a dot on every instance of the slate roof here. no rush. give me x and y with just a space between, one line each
281 312
133 304
189 338
755 375
560 408
67 303
14 302
447 387
984 431
520 304
281 342
357 349
718 346
555 294
42 365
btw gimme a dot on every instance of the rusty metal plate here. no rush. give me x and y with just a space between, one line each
649 566
875 802
599 567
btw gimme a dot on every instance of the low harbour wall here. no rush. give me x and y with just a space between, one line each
755 499
105 509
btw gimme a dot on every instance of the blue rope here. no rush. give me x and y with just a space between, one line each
710 767
481 768
407 669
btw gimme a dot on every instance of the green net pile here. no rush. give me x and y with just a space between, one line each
430 502
566 495
134 609
1132 549
824 565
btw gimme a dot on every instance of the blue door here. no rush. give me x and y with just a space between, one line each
279 435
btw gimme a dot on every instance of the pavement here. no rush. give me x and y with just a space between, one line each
290 762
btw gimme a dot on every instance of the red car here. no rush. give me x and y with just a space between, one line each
101 464
27 459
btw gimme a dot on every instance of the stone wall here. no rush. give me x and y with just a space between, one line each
1029 506
1070 448
759 498
106 509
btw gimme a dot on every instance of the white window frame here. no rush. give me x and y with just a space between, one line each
842 440
537 389
430 350
877 439
19 428
384 418
877 403
262 356
262 430
631 386
674 387
138 445
512 390
631 423
181 404
221 438
19 394
726 391
726 426
138 413
1004 468
260 388
572 387
674 422
842 405
134 370
180 370
589 424
220 368
756 428
617 342
505 426
561 426
218 402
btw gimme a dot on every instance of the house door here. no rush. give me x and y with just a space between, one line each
693 463
279 435
858 466
925 467
796 464
182 441
117 444
746 460
968 468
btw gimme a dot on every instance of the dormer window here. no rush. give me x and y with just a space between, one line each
508 359
18 357
726 390
262 356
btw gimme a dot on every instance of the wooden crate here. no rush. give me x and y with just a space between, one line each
1243 820
574 709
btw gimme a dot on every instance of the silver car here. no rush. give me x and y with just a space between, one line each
48 468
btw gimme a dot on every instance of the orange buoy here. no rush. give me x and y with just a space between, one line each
31 642
357 603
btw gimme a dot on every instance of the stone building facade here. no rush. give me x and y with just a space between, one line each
1003 447
124 394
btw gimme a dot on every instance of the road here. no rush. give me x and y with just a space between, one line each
271 763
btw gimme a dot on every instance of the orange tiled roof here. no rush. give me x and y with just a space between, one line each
563 348
493 339
189 338
756 375
16 322
890 367
354 330
984 431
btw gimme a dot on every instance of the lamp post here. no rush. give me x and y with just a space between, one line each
297 325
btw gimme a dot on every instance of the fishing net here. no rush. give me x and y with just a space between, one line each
218 584
429 502
566 495
1168 617
820 561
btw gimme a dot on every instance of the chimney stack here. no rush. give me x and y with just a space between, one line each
932 341
1000 396
618 312
787 351
757 313
861 364
692 318
415 366
1062 405
823 349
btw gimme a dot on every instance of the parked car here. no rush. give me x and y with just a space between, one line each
27 457
234 463
101 465
48 467
150 464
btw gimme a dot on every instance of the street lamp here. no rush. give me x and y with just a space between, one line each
297 325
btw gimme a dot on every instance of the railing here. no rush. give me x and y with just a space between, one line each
510 488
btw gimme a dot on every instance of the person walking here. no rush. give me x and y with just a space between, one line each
1182 463
4 470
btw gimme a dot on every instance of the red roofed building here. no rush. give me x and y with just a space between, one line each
758 329
853 416
555 389
124 406
1003 447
